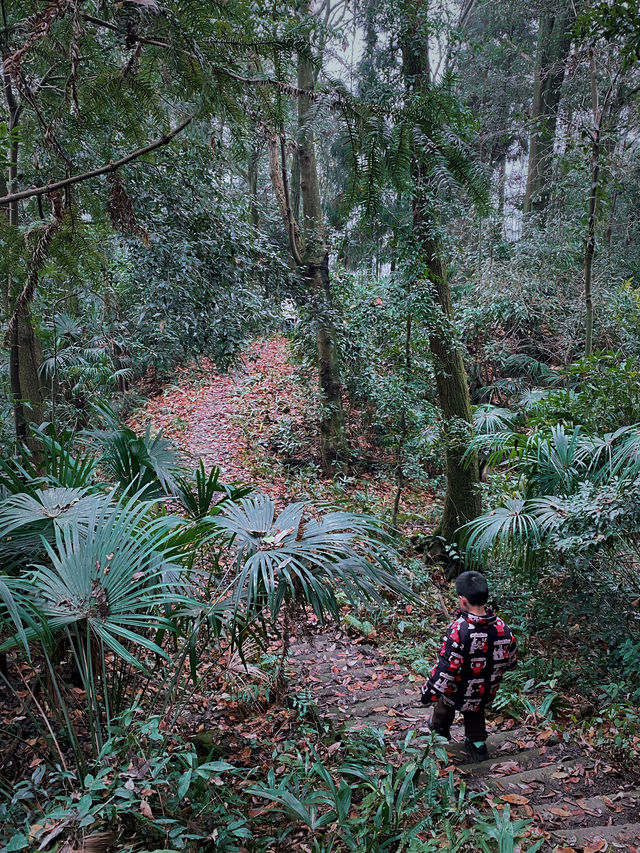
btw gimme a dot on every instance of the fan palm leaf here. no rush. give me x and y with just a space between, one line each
625 460
514 525
300 556
488 420
26 520
112 577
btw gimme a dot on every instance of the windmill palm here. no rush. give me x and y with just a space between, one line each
488 420
28 521
109 585
303 556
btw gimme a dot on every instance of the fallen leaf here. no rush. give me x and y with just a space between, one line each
561 812
515 799
145 809
595 845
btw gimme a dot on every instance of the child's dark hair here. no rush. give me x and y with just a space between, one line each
473 586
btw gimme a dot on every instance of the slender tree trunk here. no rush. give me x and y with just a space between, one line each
295 185
462 498
252 174
554 42
402 437
25 355
499 223
590 243
594 187
315 264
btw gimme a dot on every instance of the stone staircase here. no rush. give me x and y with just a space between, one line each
577 801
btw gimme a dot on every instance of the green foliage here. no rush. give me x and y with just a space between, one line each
503 834
367 803
619 21
159 796
303 556
204 494
145 464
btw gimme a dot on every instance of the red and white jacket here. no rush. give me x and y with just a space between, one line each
475 654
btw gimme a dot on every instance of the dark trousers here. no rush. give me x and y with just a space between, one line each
474 725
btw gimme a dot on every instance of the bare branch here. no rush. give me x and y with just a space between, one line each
102 170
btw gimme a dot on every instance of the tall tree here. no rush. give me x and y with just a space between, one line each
462 501
310 253
25 351
554 41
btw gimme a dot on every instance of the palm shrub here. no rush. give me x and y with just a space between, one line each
145 463
50 461
94 583
91 584
105 588
576 495
304 556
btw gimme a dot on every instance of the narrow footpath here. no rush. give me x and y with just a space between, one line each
577 801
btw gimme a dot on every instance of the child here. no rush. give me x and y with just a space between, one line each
478 649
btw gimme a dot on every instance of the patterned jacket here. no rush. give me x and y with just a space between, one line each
475 654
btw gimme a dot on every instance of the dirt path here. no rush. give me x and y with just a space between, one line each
214 416
576 800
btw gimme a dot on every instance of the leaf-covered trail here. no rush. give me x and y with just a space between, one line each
207 413
576 800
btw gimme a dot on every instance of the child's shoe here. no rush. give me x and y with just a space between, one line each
477 749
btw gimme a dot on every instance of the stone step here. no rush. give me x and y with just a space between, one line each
390 691
367 707
615 834
456 748
588 805
537 774
480 768
496 743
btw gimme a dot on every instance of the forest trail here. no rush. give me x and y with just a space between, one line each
577 801
207 413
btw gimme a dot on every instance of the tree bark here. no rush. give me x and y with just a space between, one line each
314 258
311 255
554 42
462 500
612 102
25 350
590 241
252 176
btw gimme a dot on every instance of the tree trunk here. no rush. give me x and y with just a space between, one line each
590 243
315 264
554 42
462 500
252 175
25 356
